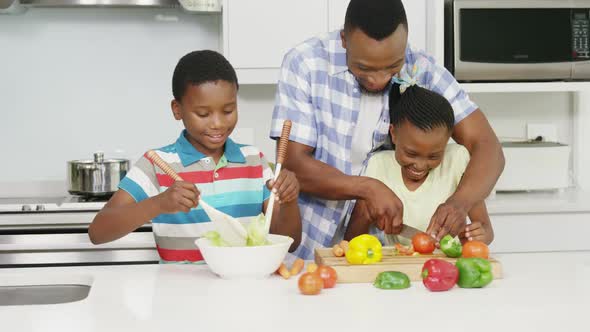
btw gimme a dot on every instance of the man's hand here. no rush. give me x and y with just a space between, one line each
384 208
449 218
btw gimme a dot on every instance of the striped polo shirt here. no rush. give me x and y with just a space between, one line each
235 186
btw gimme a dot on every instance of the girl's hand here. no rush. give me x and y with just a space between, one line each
474 232
180 197
286 187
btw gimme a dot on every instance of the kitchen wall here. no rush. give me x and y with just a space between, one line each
73 81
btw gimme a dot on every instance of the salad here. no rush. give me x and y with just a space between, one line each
256 234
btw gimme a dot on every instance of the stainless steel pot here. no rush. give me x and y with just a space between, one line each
98 177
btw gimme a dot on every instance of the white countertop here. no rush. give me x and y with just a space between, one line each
540 292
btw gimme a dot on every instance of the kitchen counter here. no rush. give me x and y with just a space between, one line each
539 292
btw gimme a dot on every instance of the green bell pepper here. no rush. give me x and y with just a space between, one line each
451 246
474 272
392 280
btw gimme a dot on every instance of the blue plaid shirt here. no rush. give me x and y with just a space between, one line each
318 93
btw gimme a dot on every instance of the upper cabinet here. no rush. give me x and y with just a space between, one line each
336 12
416 13
258 33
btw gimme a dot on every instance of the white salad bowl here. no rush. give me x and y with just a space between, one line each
256 262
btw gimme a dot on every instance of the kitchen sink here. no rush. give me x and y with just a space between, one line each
42 294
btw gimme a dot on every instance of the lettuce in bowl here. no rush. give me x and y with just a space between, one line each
256 234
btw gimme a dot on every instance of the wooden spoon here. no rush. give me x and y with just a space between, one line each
281 155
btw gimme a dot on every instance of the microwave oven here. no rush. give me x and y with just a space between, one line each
517 40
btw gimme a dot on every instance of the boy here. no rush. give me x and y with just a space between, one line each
232 177
423 170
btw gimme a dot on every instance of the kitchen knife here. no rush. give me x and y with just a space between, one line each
408 231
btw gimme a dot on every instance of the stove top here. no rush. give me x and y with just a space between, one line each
51 204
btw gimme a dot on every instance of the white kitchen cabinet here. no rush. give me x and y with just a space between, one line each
258 33
336 12
416 13
540 221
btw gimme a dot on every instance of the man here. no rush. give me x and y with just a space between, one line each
334 89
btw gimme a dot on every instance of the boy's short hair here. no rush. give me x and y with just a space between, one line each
200 67
423 108
378 19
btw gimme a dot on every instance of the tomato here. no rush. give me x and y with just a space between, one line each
328 275
310 283
475 249
423 243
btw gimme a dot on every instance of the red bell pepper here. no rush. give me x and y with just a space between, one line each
439 275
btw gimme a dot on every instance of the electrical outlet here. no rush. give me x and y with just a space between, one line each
545 130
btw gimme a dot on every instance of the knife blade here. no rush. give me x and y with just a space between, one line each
408 231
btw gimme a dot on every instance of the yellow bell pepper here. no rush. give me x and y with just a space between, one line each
364 249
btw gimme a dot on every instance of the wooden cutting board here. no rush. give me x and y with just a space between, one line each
410 265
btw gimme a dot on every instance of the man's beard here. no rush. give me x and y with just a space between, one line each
371 92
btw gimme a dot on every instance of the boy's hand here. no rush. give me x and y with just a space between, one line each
286 187
180 197
474 232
